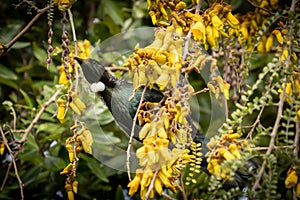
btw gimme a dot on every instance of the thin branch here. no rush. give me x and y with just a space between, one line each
152 182
256 6
272 139
275 148
13 156
201 91
189 36
116 68
25 29
132 133
257 121
38 116
6 176
75 47
296 140
184 197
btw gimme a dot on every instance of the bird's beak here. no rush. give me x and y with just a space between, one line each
92 70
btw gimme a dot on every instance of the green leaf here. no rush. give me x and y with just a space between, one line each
39 53
20 45
95 168
119 193
113 11
54 163
27 99
9 83
7 74
31 151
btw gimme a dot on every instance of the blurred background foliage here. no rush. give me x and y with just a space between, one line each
26 83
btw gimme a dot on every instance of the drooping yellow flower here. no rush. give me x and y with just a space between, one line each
217 23
61 104
86 139
285 54
292 178
298 190
2 148
278 35
135 183
198 31
63 79
269 43
232 20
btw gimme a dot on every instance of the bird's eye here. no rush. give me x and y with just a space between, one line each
97 87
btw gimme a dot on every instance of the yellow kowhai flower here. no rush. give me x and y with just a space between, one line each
198 31
288 91
232 20
222 152
298 190
135 183
285 54
269 43
278 35
64 5
217 23
292 178
61 104
2 148
63 79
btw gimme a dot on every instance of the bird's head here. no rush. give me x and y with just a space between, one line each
93 71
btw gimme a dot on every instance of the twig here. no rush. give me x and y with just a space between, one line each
296 140
186 45
6 176
13 156
75 48
201 91
116 68
256 122
132 133
182 186
275 148
272 139
152 182
25 29
189 36
37 117
256 6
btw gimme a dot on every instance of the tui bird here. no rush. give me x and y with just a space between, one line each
116 94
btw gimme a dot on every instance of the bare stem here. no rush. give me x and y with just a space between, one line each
13 157
201 91
26 28
152 182
132 133
256 6
272 139
37 117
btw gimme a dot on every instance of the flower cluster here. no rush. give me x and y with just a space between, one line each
82 139
251 22
206 26
226 148
71 99
292 180
159 63
161 127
